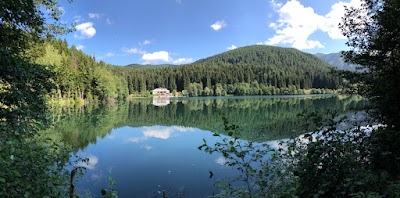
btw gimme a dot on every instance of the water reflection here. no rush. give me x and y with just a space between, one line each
147 148
159 102
159 132
259 118
165 160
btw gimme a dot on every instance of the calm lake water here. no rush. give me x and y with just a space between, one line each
148 146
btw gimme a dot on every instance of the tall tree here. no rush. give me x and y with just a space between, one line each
373 31
28 169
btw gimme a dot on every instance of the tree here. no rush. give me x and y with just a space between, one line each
32 170
373 31
22 24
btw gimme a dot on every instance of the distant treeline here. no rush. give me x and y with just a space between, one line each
253 70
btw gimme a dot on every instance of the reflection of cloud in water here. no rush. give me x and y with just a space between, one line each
147 147
221 161
93 160
162 134
159 132
182 129
136 139
96 177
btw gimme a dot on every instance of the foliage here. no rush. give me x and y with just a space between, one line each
110 193
359 162
32 170
261 170
338 159
374 40
78 77
29 169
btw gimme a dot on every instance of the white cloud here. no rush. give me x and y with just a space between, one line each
133 51
218 25
77 19
297 23
145 42
182 61
85 30
108 21
232 47
94 15
159 56
178 1
110 54
80 47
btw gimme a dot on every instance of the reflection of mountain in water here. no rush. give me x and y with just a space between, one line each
259 118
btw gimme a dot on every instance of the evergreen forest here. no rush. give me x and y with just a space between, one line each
252 70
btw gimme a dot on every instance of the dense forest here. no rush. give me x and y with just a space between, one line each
78 77
251 70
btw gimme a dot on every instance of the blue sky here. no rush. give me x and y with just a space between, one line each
122 32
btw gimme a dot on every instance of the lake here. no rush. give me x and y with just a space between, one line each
149 146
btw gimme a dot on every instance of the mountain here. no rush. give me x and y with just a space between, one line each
336 60
267 56
250 70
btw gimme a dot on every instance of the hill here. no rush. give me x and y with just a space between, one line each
251 70
268 56
336 61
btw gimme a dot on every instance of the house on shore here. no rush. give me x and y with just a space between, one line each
161 92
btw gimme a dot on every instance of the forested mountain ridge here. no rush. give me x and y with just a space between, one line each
251 70
336 60
267 56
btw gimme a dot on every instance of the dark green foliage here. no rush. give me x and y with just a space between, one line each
374 42
28 169
337 162
252 67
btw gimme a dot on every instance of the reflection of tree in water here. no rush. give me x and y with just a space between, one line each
260 119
